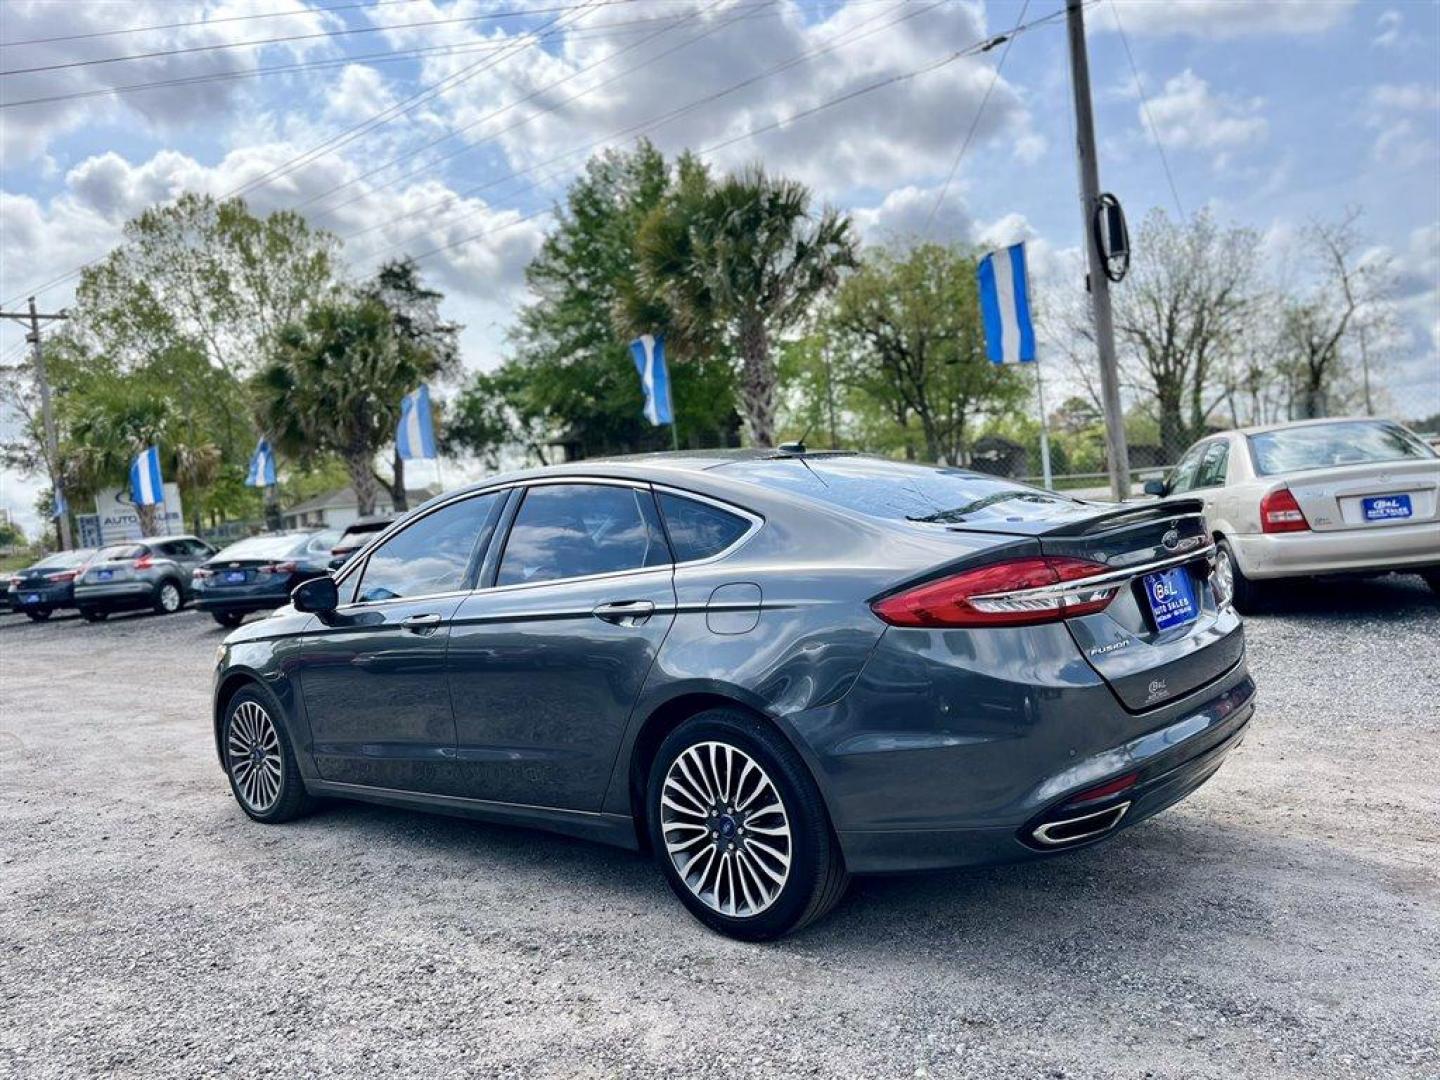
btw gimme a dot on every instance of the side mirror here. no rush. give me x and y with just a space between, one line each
317 595
1155 487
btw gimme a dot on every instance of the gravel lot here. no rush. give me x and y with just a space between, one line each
1283 922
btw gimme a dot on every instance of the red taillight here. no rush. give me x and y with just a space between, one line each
63 575
144 562
15 582
1114 787
201 574
279 568
1280 513
1017 592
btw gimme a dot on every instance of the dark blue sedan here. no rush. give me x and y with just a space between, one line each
49 585
258 573
771 669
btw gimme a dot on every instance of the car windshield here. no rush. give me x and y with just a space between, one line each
262 547
1322 446
116 552
903 492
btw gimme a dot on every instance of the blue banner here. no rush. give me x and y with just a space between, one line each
1005 306
146 486
415 434
649 354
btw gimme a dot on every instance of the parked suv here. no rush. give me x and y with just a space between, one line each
153 572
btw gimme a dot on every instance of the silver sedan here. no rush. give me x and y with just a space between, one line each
1312 498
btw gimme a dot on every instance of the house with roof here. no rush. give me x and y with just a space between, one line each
337 509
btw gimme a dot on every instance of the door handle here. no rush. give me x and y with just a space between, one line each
624 612
420 623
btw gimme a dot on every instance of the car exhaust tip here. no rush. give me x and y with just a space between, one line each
1073 830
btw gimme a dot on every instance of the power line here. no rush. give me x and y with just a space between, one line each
1145 112
409 104
556 106
851 95
657 121
1008 39
387 56
516 13
203 22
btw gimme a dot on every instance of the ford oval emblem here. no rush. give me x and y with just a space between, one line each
1171 539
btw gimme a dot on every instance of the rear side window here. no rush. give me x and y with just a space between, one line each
431 556
261 547
698 530
576 530
1322 446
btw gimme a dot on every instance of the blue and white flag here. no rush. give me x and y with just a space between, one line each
262 465
1005 306
415 436
649 354
146 487
61 506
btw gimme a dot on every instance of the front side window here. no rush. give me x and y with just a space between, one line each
431 556
699 530
576 530
1212 466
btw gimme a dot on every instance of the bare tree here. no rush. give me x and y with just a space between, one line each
1347 303
1184 314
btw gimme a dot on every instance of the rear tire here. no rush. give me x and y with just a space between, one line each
1432 578
1246 594
749 754
259 761
90 614
228 619
38 614
168 597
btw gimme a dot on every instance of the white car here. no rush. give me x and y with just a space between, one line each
1317 497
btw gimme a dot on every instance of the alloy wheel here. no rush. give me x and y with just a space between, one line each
170 597
1225 572
253 753
726 829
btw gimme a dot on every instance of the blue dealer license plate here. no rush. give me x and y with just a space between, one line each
33 598
1172 597
104 575
234 577
1385 507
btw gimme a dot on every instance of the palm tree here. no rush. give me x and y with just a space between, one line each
334 385
732 266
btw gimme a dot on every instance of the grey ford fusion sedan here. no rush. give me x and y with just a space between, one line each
772 669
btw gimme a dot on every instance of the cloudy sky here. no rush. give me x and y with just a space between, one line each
446 128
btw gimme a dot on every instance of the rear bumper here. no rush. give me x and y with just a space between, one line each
1347 551
1171 761
239 600
120 594
48 598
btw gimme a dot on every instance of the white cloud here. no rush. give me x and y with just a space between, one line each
1415 97
1404 140
1188 116
29 130
1390 32
1223 20
360 93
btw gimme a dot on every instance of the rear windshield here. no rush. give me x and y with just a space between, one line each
903 492
63 559
1322 446
120 551
262 547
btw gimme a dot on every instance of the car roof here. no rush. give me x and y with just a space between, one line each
1260 429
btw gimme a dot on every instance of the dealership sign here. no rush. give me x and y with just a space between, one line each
117 520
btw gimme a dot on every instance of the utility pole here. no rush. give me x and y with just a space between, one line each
1118 454
47 413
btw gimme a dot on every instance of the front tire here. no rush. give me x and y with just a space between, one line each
168 597
739 828
1246 594
264 775
228 619
90 614
38 614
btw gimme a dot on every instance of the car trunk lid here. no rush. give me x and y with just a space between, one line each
1164 633
1370 496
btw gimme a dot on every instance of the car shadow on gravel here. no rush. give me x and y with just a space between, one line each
1391 596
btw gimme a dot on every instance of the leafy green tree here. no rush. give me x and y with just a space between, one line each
571 380
334 384
732 266
434 343
908 336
